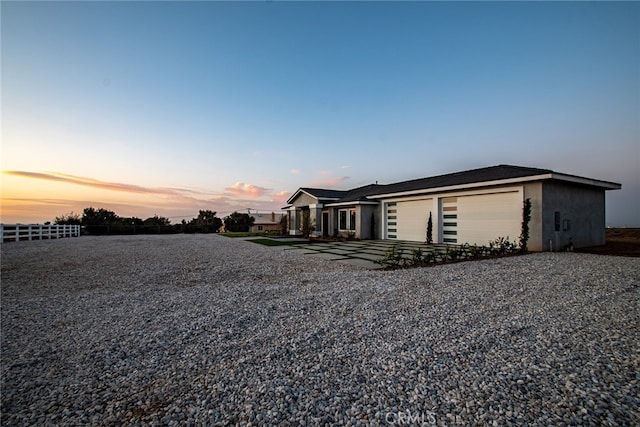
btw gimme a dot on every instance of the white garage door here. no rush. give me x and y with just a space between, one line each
410 222
486 217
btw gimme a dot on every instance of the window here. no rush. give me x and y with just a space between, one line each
342 222
347 219
260 228
556 220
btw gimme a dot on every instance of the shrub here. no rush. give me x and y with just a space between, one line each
393 258
430 230
526 217
417 256
502 246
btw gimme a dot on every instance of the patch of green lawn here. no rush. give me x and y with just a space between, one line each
244 234
270 242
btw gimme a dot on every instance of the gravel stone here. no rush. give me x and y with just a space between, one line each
208 330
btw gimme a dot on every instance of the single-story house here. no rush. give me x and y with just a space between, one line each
474 206
266 222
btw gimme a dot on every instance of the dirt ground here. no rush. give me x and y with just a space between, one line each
620 242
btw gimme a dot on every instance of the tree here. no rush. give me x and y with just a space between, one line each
98 221
68 219
284 225
91 216
207 221
306 223
157 221
430 230
238 222
526 217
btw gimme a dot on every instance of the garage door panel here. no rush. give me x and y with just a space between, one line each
486 217
412 219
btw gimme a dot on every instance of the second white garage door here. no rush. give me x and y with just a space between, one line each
486 217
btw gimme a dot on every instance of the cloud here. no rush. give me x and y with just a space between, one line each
281 196
240 189
174 203
94 183
294 171
332 181
325 178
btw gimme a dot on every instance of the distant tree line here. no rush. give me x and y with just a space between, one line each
103 221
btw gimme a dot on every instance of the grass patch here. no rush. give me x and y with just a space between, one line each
246 234
270 242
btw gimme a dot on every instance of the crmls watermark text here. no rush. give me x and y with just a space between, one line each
406 418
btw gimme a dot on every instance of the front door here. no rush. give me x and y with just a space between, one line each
325 224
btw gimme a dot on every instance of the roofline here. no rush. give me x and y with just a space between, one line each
547 176
608 185
351 203
301 190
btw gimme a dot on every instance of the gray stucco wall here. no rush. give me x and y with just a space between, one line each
363 223
581 209
304 200
533 191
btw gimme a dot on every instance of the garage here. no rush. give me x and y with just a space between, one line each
407 220
485 217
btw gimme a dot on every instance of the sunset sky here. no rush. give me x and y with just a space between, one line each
167 108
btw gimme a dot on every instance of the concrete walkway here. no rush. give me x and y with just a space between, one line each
362 253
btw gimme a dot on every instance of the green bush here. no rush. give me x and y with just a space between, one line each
394 258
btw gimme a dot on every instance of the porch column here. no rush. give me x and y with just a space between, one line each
436 209
315 219
294 219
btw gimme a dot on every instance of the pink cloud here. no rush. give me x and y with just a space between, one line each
326 179
174 203
241 189
280 197
94 183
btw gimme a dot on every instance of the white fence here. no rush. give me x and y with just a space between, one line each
18 232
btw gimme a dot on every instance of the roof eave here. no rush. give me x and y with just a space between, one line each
351 203
607 185
301 190
542 177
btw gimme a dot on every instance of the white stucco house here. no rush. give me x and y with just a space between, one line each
474 206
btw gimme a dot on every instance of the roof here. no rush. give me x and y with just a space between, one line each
266 218
492 175
360 193
319 193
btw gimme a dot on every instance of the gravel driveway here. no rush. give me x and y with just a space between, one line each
203 329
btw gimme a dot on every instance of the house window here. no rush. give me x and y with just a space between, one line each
347 219
342 223
556 220
260 228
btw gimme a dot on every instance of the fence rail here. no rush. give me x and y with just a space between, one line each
17 232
